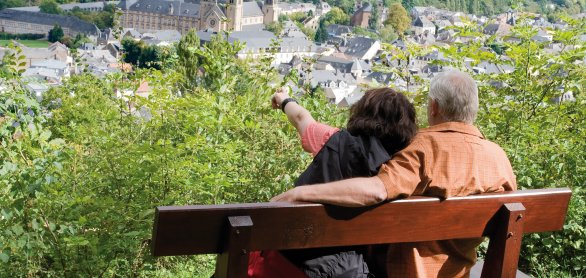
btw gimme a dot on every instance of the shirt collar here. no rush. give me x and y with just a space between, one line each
454 127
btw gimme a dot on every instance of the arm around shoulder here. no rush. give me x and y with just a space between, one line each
355 192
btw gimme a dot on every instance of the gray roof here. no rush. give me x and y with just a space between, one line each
340 64
250 9
382 78
297 44
49 64
253 27
423 22
254 40
337 29
318 77
358 46
70 22
180 8
365 8
168 35
70 6
352 99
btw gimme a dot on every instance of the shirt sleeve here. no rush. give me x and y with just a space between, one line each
404 175
315 137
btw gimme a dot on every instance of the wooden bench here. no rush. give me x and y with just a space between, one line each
233 230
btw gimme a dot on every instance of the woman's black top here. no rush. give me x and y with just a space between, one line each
343 156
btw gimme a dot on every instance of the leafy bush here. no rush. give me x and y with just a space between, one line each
81 174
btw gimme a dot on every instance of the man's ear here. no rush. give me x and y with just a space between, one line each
434 108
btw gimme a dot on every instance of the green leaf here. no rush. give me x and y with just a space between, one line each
4 257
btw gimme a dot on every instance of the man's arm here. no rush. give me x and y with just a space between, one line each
356 192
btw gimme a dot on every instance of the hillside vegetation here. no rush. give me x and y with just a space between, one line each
81 172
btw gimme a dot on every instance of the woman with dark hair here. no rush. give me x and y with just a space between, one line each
381 123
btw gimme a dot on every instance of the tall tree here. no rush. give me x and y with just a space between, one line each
321 35
408 4
187 58
55 34
50 7
399 19
336 16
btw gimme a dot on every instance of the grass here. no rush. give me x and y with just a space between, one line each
29 43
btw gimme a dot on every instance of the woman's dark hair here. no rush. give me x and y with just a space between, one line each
385 114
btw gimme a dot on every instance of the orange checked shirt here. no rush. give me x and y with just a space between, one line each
445 160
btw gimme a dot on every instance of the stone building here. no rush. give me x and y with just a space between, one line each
88 7
362 16
23 22
183 15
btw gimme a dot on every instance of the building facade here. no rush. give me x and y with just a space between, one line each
183 15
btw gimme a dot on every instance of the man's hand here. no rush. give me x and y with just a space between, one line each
287 196
278 97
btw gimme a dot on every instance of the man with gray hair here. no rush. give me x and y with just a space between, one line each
449 158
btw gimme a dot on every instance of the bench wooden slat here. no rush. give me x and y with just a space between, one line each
194 229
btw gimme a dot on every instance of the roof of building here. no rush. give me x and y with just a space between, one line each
167 35
496 27
297 45
251 9
358 46
69 22
50 64
40 72
70 6
422 21
337 29
176 8
254 40
253 27
366 8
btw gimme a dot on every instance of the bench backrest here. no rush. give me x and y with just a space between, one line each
233 230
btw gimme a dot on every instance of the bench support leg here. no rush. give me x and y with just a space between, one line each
504 247
233 262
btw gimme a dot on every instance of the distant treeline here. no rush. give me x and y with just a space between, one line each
491 7
6 36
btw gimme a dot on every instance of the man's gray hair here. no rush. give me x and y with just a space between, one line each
457 96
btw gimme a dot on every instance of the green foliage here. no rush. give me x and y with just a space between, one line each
387 34
50 7
399 19
365 33
11 3
102 163
297 16
55 34
336 16
7 36
346 5
321 35
492 7
81 174
144 56
307 31
275 27
102 19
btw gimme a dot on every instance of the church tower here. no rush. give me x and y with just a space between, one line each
271 11
234 14
205 8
